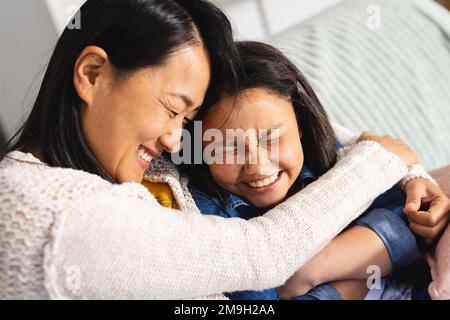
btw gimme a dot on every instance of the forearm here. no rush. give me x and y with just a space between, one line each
346 257
127 248
347 137
349 256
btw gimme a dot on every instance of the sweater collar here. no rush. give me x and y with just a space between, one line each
24 157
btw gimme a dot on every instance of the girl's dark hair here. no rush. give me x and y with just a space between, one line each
263 66
266 67
134 34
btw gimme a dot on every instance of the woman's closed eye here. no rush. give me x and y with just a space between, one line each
173 114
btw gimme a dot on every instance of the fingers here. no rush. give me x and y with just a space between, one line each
439 208
416 192
414 199
429 234
431 223
437 212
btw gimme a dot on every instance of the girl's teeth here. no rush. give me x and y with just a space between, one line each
264 182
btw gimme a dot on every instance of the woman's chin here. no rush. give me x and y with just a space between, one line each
129 177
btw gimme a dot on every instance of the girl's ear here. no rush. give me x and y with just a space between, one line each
91 64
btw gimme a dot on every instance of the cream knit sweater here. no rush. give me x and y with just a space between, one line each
68 234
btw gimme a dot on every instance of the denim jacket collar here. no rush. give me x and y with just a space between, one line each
232 201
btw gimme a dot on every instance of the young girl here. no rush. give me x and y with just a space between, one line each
275 98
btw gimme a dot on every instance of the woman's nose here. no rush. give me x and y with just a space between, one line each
171 142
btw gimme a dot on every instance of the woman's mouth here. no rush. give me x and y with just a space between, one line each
144 157
266 184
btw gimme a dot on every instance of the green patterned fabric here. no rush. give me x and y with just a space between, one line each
393 80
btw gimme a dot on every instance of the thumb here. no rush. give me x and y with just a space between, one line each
413 200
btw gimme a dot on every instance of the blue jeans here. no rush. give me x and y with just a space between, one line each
386 218
322 292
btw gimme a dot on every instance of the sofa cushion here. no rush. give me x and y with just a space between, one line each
442 176
439 260
392 80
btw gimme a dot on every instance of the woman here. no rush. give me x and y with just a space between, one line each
74 221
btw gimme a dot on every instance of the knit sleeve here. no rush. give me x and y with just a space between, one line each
347 137
120 243
344 135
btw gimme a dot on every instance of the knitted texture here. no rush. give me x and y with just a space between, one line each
163 171
67 234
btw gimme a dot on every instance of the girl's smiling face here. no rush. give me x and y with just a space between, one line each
256 179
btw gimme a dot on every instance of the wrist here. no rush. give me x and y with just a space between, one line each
416 171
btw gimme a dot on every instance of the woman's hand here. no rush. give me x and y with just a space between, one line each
396 146
427 209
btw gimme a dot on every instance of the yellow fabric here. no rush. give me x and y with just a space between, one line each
162 193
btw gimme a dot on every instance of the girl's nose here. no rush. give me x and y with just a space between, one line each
257 162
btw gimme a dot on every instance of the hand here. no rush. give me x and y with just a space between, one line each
427 209
396 146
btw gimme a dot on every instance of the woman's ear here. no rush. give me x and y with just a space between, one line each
89 67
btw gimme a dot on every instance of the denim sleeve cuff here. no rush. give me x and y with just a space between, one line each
322 292
395 234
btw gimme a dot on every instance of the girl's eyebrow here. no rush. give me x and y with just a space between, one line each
268 132
277 126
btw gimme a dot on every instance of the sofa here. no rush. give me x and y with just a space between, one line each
381 66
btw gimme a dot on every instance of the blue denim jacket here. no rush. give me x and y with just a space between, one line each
232 205
385 217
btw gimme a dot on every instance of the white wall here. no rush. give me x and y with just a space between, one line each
258 19
62 11
252 19
27 37
283 14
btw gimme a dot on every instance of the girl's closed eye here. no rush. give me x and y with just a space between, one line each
270 138
267 138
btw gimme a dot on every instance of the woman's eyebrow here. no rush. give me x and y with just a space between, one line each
188 102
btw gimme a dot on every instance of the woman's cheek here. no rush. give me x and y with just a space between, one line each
151 127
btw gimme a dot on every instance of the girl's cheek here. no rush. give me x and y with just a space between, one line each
224 174
291 158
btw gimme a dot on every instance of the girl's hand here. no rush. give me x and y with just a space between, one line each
396 146
427 209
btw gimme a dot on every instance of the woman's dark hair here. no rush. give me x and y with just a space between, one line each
263 66
134 34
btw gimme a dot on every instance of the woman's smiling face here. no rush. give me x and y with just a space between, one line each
128 121
257 180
